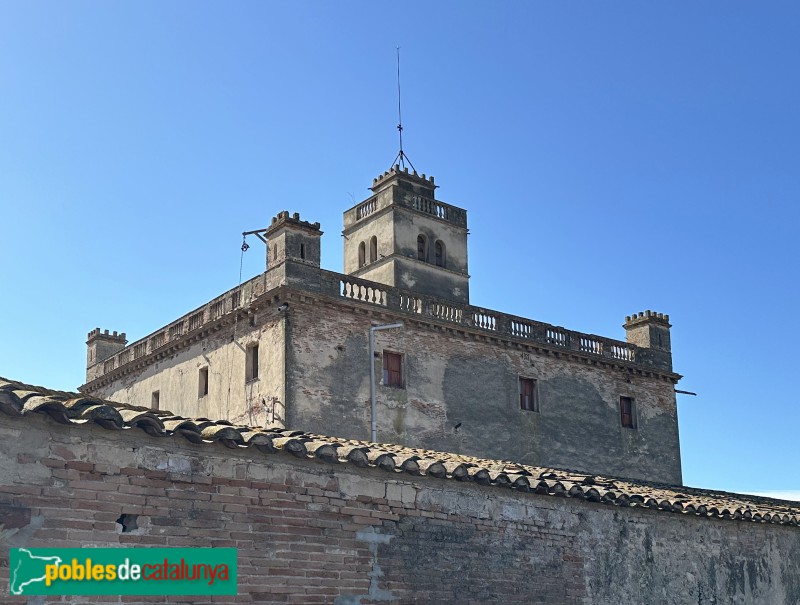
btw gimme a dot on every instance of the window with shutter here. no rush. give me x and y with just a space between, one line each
527 395
626 412
392 369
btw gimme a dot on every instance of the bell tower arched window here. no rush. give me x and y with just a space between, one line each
422 248
362 254
373 249
438 251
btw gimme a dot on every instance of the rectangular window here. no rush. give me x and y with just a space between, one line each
154 400
392 369
202 382
527 395
251 361
627 412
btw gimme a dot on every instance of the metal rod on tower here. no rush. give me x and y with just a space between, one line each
401 157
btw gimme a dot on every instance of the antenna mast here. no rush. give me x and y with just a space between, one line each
401 158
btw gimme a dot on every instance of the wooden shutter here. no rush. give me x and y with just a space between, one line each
626 411
392 369
527 392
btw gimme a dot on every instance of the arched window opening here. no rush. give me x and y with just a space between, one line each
439 253
422 252
373 249
362 254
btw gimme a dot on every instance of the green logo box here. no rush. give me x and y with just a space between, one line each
122 571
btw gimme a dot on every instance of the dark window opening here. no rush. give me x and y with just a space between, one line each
202 383
155 400
303 251
627 414
251 362
527 395
422 253
362 254
128 523
439 253
373 249
392 369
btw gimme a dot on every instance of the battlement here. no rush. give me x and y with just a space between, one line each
394 171
640 351
112 337
647 316
284 219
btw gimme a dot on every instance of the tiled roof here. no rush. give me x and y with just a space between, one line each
18 399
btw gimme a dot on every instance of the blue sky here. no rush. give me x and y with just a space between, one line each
613 157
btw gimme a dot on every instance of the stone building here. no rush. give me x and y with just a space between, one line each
321 520
289 348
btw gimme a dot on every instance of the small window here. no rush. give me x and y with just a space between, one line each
251 362
275 253
528 400
155 400
303 251
392 369
362 254
627 412
202 382
422 252
373 249
438 249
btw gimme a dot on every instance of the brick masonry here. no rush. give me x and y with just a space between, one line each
315 532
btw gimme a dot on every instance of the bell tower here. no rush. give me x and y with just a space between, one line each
403 236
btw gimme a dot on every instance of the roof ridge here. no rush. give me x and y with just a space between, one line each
19 400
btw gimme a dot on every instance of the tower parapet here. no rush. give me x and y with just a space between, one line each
403 236
651 330
289 238
102 345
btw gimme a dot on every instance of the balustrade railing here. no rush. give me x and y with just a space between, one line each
590 345
410 303
195 321
556 337
481 319
365 291
362 292
176 331
521 329
446 312
366 209
621 352
217 309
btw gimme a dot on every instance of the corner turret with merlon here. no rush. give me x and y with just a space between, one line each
650 331
102 345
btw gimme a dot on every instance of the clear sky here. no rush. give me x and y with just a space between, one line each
613 157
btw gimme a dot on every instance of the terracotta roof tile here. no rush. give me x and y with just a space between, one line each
17 399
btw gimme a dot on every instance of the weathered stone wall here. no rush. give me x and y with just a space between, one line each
312 532
461 394
258 402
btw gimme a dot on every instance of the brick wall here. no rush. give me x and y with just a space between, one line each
310 531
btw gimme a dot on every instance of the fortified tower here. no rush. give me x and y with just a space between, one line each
402 236
292 239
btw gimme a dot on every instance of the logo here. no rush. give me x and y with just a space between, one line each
122 571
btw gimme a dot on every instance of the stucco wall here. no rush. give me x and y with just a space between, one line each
461 394
258 402
313 532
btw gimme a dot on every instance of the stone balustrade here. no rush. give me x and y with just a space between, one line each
417 306
186 325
